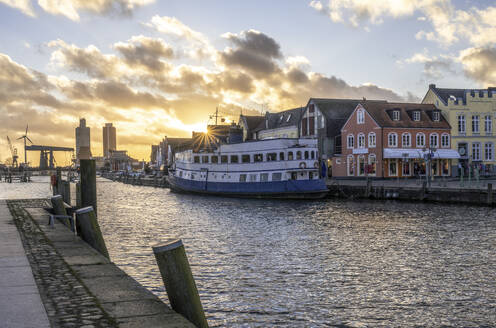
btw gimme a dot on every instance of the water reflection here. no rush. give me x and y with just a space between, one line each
266 263
309 264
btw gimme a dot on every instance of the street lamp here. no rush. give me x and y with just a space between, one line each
428 155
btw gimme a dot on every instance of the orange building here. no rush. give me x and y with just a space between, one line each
382 139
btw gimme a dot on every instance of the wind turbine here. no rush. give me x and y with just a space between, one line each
25 136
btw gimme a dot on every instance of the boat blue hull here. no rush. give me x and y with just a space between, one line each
294 189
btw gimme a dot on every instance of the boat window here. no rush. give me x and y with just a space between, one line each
253 178
312 154
310 175
281 156
204 159
271 157
245 158
290 155
294 176
215 159
298 155
196 159
234 159
223 158
264 177
258 158
306 154
242 178
276 176
192 176
180 174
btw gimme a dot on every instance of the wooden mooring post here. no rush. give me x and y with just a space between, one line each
89 229
66 192
489 193
179 282
88 183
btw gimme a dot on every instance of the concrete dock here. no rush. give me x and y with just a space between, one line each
51 278
20 300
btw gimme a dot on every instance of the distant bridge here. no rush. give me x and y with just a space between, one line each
46 154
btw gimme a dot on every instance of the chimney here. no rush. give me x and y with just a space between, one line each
432 86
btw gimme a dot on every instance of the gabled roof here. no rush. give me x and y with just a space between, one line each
444 93
289 117
381 112
251 121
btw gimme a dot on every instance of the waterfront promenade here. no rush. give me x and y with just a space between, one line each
20 300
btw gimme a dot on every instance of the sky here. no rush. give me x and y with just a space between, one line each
160 68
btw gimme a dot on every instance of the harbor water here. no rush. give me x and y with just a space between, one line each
263 263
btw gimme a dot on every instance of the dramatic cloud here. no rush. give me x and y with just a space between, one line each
480 64
148 90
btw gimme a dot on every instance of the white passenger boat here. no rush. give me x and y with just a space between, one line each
274 168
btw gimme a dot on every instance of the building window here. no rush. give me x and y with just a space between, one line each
433 142
350 165
406 140
271 157
311 108
245 158
372 165
372 140
289 117
351 141
361 165
281 156
393 167
276 176
420 140
360 116
475 123
215 159
445 140
196 159
488 151
298 155
488 124
223 158
476 151
461 124
258 158
393 140
396 115
435 116
406 168
416 115
234 159
361 140
290 155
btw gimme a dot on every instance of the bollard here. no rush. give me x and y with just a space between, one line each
66 192
59 210
89 230
179 282
78 194
88 183
490 193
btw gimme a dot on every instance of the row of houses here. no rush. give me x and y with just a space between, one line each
453 128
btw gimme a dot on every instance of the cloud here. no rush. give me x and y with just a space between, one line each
480 64
435 67
198 46
449 25
23 5
145 51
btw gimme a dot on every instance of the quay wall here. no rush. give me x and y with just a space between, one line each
451 195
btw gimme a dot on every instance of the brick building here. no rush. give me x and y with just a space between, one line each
383 139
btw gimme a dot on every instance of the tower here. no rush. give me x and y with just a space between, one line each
109 139
83 146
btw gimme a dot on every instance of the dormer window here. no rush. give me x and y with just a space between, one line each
360 116
396 115
289 117
280 119
416 115
435 116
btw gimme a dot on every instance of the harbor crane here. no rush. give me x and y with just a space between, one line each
25 137
13 151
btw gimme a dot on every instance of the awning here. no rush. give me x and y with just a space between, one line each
446 154
418 153
402 153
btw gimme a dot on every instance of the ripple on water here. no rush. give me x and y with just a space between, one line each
324 263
